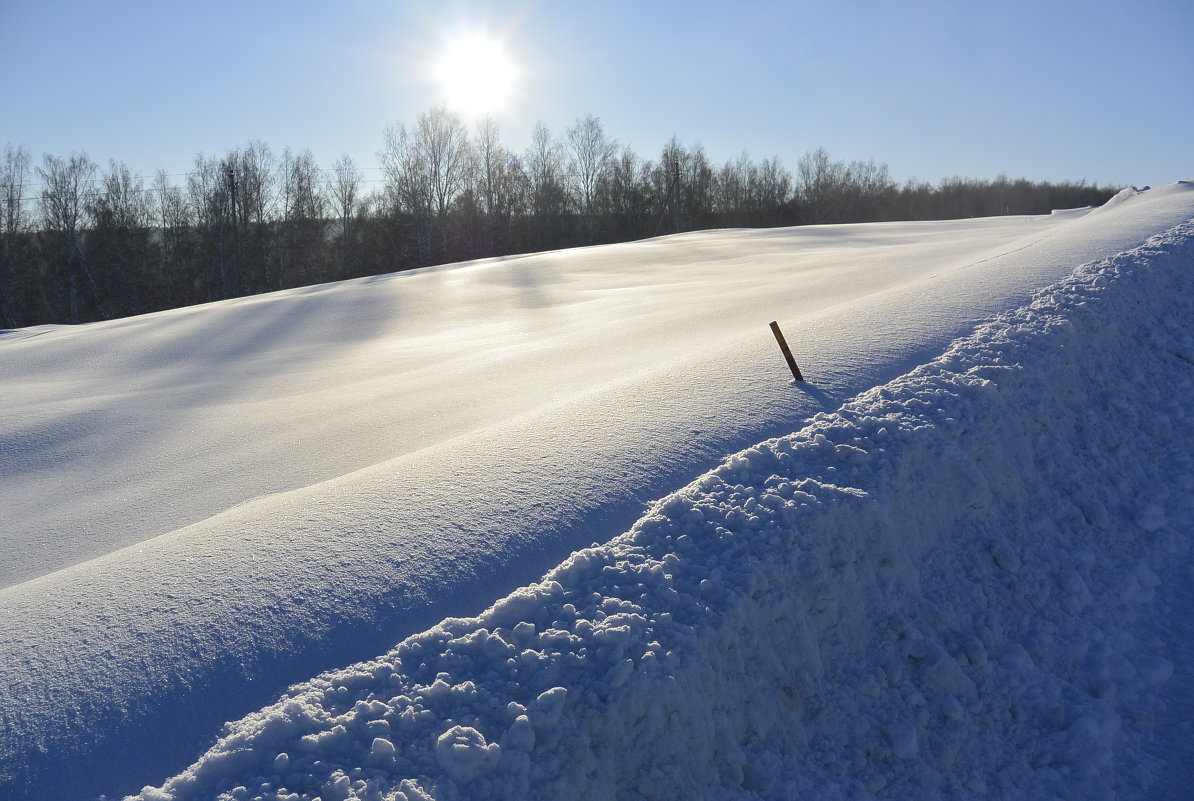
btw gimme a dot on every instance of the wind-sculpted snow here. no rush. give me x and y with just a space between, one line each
946 588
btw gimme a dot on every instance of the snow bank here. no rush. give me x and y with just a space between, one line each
941 590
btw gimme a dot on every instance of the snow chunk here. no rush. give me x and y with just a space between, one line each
462 753
520 736
903 740
548 706
382 751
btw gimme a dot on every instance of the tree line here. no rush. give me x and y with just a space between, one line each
80 243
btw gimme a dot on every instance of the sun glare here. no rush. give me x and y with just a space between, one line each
476 74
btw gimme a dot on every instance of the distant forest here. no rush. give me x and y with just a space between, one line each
79 243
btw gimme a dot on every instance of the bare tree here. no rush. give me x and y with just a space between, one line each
118 239
443 141
15 226
301 226
426 170
732 187
623 195
171 218
65 183
491 160
343 191
210 198
589 154
698 188
860 191
407 190
683 186
544 168
774 190
820 183
500 186
251 174
868 192
668 180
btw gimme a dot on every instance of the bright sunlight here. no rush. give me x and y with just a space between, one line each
476 73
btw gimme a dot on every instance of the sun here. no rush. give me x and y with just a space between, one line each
476 74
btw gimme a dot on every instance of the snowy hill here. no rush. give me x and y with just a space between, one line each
203 506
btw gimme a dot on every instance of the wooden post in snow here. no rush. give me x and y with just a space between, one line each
783 346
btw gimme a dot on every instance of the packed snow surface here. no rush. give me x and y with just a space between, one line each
943 587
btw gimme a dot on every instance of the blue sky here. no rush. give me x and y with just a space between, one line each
1048 89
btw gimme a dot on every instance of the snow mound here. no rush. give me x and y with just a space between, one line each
1141 196
941 590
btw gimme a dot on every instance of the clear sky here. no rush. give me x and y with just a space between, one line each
1044 89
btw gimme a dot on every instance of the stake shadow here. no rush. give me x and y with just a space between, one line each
824 401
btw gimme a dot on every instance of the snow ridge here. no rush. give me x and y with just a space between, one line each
941 590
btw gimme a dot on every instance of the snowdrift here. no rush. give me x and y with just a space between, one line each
946 588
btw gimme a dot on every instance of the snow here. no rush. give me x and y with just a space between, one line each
943 584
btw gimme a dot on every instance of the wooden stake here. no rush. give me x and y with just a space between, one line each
783 346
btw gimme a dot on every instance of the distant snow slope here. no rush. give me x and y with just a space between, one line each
201 506
945 589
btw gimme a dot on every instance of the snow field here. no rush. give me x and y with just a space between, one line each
944 589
